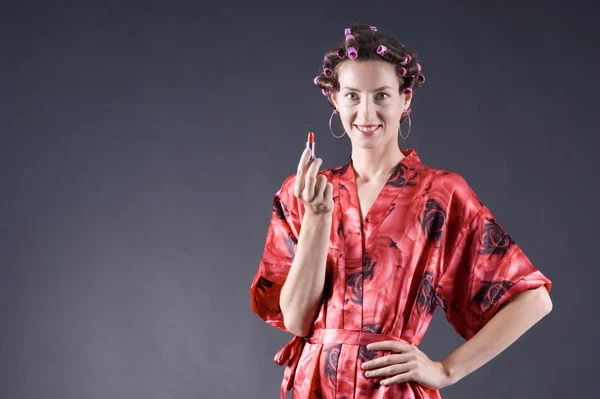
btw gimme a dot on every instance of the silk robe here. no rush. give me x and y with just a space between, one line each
426 242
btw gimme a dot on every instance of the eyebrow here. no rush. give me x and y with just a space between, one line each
378 89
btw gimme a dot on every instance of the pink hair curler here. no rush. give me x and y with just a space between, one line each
381 50
352 53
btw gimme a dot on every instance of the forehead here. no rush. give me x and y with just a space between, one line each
366 75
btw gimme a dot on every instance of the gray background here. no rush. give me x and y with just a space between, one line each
141 146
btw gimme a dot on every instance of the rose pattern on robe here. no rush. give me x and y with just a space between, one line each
278 209
291 243
494 239
433 220
332 354
364 354
263 284
399 176
281 213
426 293
439 299
490 293
340 229
317 394
342 169
355 280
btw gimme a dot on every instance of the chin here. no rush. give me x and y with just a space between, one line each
367 144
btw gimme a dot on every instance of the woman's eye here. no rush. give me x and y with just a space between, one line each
352 96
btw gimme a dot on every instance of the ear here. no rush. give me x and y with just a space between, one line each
334 99
407 100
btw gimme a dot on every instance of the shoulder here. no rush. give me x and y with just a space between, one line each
285 193
455 192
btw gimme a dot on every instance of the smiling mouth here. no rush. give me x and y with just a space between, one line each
368 129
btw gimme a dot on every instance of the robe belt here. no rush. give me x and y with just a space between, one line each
292 351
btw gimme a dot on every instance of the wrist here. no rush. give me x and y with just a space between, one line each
325 216
449 372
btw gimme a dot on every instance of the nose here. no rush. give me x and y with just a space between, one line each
364 109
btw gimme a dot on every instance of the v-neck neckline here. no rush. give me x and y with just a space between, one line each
351 225
358 202
384 189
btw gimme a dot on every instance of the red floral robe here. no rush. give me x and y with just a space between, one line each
427 241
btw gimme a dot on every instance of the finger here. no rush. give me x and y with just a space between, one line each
320 186
314 167
400 378
311 179
392 370
328 193
389 346
388 360
301 172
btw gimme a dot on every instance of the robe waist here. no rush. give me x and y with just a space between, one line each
292 351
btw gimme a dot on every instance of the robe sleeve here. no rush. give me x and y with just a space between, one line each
485 268
277 257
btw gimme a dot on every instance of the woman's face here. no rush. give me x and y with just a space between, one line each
369 99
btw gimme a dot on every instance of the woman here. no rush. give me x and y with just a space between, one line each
357 257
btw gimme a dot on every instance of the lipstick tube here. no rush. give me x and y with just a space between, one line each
310 143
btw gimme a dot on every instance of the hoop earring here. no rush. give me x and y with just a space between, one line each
407 114
330 129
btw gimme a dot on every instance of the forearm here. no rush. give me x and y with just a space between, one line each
509 323
302 291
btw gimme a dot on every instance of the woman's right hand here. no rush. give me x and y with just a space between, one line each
314 191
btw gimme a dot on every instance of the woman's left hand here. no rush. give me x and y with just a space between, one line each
408 364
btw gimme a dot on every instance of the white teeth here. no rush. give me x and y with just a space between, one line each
368 129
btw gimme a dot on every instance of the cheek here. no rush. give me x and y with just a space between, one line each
391 120
341 123
347 121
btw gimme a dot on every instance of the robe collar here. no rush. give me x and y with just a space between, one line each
404 179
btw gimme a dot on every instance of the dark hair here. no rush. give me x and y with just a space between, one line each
362 45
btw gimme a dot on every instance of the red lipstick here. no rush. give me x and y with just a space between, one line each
310 143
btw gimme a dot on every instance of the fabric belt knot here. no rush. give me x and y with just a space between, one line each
292 351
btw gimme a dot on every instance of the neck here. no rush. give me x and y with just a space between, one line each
376 163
